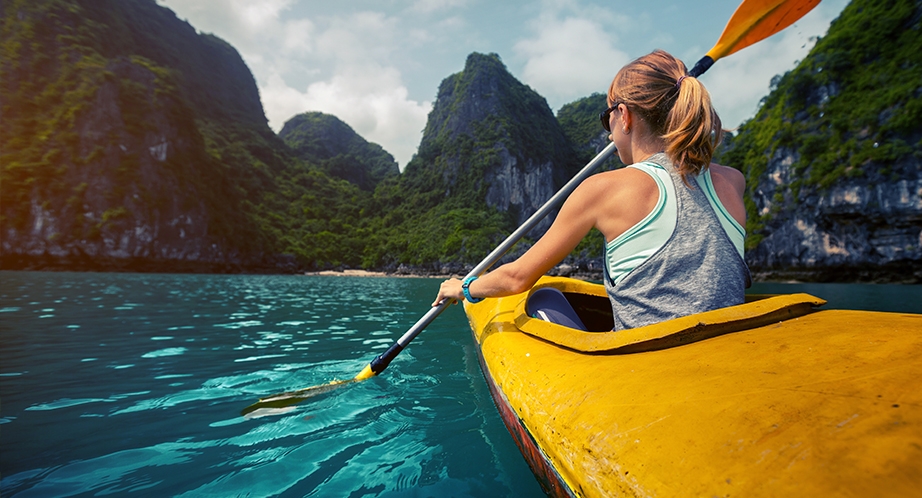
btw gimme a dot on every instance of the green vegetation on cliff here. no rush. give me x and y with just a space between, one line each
437 211
117 115
327 142
121 121
851 108
580 122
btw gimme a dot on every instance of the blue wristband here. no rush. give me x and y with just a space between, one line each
467 292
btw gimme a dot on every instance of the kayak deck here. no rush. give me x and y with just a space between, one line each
819 404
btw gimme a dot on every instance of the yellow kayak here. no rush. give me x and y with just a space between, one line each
768 398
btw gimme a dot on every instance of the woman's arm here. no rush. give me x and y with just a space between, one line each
576 218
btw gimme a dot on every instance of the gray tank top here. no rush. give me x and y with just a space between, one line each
698 269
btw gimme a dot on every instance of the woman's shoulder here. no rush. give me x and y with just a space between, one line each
617 200
619 190
730 185
618 180
732 176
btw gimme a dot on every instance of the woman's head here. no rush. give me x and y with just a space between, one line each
676 108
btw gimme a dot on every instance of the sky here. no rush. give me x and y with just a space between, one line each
377 64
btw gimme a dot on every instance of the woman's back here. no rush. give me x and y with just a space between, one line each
699 267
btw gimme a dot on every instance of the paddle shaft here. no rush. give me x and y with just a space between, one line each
383 360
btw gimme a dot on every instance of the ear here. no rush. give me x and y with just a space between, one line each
626 119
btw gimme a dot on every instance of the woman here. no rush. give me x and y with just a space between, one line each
673 222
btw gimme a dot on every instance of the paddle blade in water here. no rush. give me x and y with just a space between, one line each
270 404
755 20
291 398
366 373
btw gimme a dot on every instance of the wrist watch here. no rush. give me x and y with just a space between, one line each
465 288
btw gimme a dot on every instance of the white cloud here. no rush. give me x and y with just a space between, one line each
374 101
569 57
429 6
298 37
247 25
256 17
279 99
362 88
360 37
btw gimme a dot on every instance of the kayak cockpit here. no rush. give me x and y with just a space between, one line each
592 305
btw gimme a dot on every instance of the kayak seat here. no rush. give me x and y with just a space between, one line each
550 305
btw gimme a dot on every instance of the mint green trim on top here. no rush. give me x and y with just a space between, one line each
733 229
630 249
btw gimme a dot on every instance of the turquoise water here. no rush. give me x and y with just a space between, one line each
869 297
133 384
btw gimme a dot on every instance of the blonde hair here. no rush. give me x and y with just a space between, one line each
675 105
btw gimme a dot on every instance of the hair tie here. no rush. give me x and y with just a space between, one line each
678 82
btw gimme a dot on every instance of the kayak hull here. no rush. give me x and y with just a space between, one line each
765 399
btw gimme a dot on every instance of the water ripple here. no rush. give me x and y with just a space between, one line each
67 402
107 474
164 352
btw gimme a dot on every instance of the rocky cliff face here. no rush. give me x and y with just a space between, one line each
110 154
520 186
129 141
866 229
495 139
119 197
834 157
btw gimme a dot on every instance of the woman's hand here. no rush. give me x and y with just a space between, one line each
450 289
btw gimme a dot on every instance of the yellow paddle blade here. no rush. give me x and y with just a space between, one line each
366 373
755 20
292 398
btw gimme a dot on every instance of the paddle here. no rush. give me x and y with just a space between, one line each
753 21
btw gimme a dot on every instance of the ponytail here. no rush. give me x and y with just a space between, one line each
675 105
693 128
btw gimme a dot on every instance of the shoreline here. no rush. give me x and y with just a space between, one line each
373 274
381 274
898 273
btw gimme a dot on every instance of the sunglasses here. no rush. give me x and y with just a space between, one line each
604 117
